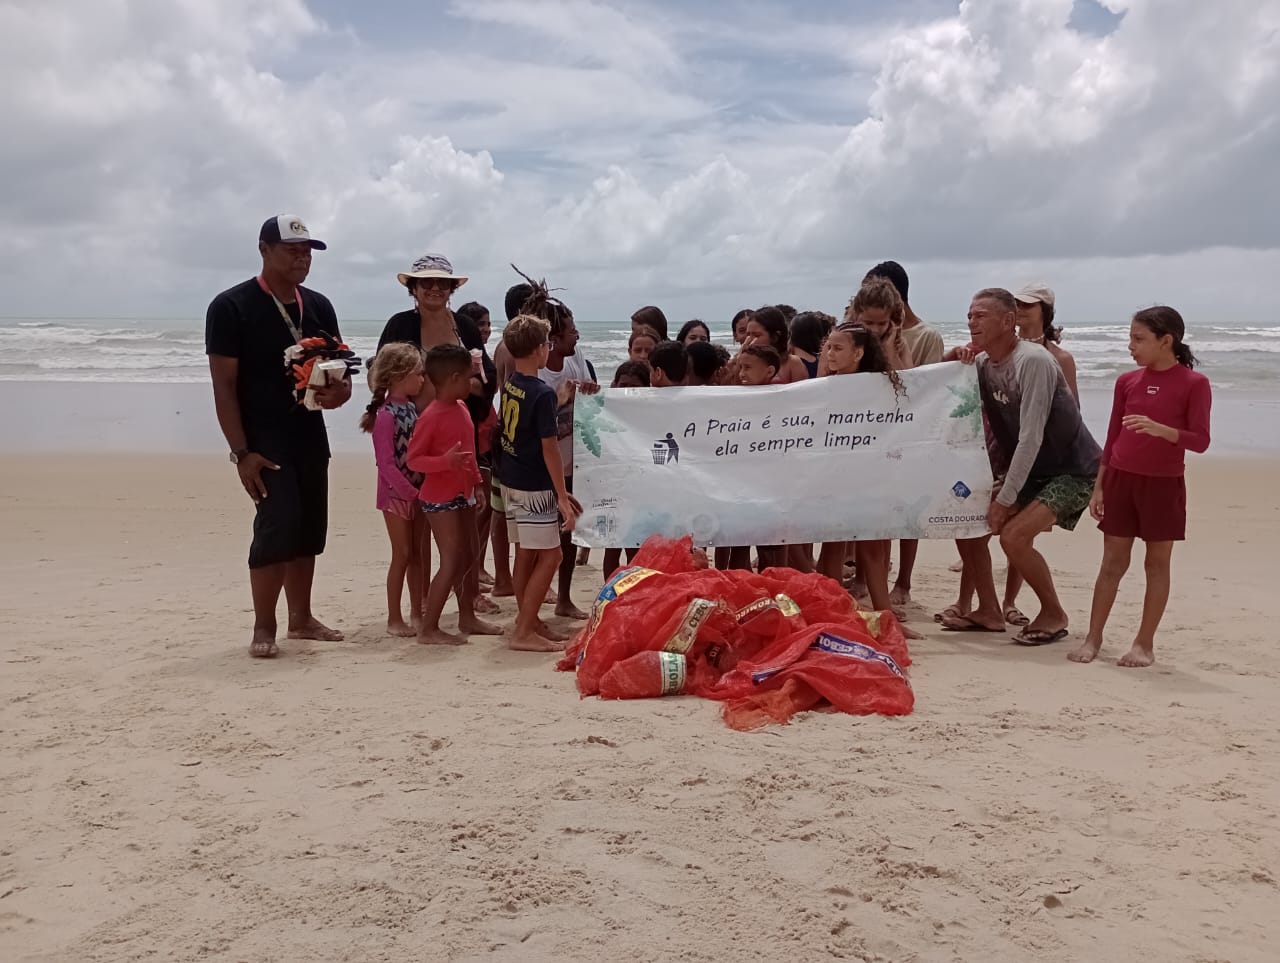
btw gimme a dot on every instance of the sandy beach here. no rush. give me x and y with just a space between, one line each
167 798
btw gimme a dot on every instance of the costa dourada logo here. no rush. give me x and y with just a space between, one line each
666 451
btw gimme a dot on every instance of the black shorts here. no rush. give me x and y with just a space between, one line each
293 519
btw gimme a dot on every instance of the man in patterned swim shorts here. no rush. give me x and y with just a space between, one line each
1043 456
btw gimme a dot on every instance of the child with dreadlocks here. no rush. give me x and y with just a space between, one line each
566 372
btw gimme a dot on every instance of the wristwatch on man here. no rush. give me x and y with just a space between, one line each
237 454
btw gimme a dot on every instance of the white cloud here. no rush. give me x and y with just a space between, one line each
637 152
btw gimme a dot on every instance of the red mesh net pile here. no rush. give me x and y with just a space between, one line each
766 645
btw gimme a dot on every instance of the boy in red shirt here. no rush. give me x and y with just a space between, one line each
443 449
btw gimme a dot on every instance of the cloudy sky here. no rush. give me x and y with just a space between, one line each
701 156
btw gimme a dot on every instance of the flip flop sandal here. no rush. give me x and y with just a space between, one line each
1014 617
950 612
1039 637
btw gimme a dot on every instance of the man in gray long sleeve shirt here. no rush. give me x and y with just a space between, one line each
1043 456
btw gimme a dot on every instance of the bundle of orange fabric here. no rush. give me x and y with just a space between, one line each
300 358
767 645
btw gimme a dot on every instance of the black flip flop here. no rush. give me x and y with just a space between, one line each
1039 637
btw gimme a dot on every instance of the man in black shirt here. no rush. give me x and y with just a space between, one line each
279 447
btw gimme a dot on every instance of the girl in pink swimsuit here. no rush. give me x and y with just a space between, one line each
396 378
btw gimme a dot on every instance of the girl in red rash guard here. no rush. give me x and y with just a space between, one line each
1160 412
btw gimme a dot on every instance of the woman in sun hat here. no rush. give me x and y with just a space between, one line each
431 282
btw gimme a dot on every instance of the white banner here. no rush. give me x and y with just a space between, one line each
828 459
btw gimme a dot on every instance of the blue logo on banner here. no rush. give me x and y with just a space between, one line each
961 490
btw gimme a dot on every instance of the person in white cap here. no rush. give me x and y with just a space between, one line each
279 447
1035 324
1036 308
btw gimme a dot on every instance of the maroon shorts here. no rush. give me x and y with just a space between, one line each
1148 507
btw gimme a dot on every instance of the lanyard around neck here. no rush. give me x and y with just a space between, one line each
294 329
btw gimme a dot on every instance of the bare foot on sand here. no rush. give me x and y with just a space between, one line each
567 610
263 645
547 632
532 642
314 630
1086 651
478 627
503 590
1138 657
900 596
439 637
908 632
400 630
486 606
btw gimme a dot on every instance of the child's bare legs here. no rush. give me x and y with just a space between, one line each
873 565
568 562
503 585
831 559
1154 600
771 556
484 519
722 558
454 532
468 586
740 557
535 568
976 577
400 532
612 560
908 549
1116 553
800 558
1013 583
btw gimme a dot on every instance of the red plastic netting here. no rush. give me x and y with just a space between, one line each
767 645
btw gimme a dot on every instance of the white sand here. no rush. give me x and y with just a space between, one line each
167 798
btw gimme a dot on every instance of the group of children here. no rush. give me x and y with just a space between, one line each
432 464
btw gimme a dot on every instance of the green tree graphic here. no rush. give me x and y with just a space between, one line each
590 421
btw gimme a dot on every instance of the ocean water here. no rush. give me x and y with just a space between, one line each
1236 357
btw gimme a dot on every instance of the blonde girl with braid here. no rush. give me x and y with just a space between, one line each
396 378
